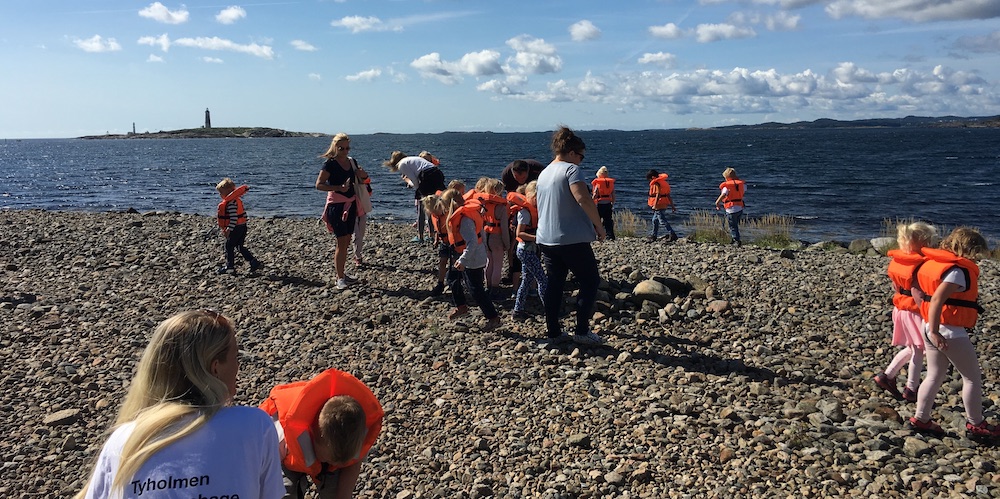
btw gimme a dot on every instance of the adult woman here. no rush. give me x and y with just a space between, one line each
567 223
175 432
340 213
423 175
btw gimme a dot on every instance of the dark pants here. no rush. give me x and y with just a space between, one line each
559 261
298 484
234 242
734 224
606 212
476 279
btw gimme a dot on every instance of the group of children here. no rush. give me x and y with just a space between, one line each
934 308
475 228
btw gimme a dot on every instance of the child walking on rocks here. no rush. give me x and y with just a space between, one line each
659 200
465 231
951 276
232 219
446 253
527 250
906 322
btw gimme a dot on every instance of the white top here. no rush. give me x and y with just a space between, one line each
524 218
954 276
411 167
234 454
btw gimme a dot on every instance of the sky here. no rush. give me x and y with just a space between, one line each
70 68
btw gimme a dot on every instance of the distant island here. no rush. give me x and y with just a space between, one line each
209 133
824 123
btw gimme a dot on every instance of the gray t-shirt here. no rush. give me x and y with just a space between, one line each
474 256
561 220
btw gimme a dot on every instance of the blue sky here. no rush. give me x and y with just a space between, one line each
72 68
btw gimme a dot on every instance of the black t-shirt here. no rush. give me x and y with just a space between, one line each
507 176
338 175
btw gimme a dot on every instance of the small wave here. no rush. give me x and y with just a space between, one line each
951 157
805 217
982 184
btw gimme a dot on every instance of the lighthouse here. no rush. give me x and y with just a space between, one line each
208 119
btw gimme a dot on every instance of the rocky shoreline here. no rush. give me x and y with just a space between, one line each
750 378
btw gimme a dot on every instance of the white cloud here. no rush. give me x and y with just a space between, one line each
582 31
706 33
160 13
230 14
97 44
782 21
915 10
369 75
315 77
163 41
669 31
358 24
662 59
476 64
216 43
303 46
533 56
212 60
154 58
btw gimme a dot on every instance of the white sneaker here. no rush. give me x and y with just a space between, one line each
343 283
350 279
588 339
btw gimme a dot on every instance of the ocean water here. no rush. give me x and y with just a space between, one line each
838 184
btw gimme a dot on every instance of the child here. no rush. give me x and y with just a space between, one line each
951 277
495 222
465 231
659 200
604 196
232 220
527 251
326 427
446 254
906 321
733 190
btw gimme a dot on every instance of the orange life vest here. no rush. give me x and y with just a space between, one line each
441 226
659 185
295 407
518 202
960 309
603 187
489 204
903 273
735 197
472 211
233 197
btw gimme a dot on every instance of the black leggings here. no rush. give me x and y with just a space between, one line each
559 261
476 279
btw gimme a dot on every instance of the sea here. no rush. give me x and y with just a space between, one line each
835 184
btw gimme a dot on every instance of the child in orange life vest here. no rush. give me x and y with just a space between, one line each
326 427
731 197
907 326
951 277
604 196
446 254
527 251
465 231
496 221
232 219
659 200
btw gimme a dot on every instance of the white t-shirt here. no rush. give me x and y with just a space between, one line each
524 218
411 166
234 454
954 276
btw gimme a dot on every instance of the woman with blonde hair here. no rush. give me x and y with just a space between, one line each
423 175
906 322
337 178
604 196
176 432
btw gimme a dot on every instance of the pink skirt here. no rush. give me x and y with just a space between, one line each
906 328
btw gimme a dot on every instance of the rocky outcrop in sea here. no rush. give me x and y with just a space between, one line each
728 372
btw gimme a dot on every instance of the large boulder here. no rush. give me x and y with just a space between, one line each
652 290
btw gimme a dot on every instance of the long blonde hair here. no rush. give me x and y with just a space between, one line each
912 237
172 383
332 150
393 161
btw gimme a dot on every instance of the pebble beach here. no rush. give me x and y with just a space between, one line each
728 372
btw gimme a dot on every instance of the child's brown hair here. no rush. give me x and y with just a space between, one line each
225 184
966 243
342 426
